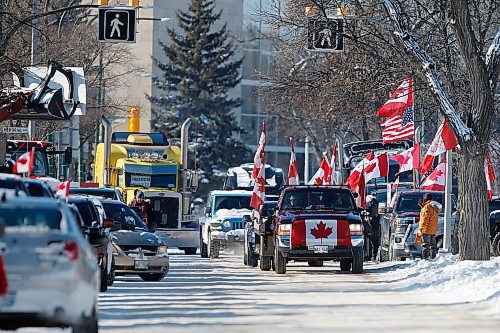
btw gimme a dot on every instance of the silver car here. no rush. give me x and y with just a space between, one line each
136 249
52 273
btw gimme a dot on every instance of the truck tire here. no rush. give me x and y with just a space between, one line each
495 245
357 263
203 248
384 255
213 247
104 280
111 275
345 265
279 262
152 277
251 261
265 261
315 263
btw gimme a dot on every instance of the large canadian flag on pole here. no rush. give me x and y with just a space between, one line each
401 99
443 141
321 175
437 179
490 176
24 164
258 174
293 172
408 159
330 177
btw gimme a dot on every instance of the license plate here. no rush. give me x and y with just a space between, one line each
320 248
141 264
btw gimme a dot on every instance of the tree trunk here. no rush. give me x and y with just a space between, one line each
472 214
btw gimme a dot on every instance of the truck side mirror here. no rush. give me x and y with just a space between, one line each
264 210
68 155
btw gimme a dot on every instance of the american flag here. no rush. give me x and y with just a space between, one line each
399 127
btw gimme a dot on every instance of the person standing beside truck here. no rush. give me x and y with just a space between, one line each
141 203
372 208
428 225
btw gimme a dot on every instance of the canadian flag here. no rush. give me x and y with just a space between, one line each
409 159
321 175
401 98
443 141
490 176
330 177
259 172
353 179
436 180
62 190
361 191
378 167
293 173
24 164
396 184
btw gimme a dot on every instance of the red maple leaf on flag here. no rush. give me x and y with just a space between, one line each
321 232
435 175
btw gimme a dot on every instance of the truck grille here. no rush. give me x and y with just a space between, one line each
237 224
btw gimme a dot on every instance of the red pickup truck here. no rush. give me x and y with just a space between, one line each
316 224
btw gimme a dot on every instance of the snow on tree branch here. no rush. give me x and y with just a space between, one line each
493 59
429 66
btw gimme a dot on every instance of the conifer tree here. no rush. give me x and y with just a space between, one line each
200 72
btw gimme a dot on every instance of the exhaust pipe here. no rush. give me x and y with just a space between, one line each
184 142
186 194
107 150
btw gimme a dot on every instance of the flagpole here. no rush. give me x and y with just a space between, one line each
447 202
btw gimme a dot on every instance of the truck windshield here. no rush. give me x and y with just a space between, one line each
232 202
157 180
328 199
409 203
40 167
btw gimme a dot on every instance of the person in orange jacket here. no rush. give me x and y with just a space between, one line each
428 225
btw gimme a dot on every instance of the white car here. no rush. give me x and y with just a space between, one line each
52 274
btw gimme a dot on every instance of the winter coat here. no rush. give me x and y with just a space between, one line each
428 224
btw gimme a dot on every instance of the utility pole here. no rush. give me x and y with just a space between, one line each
34 37
306 160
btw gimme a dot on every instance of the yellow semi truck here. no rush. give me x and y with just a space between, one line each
147 162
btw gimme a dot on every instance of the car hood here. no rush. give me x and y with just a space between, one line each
231 213
127 237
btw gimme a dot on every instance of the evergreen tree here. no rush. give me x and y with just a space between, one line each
197 77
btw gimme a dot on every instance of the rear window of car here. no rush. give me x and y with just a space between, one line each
123 214
87 212
97 193
36 190
38 217
12 184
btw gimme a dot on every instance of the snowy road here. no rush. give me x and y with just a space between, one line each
203 295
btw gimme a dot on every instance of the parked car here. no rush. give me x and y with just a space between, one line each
12 182
98 235
37 188
53 278
316 224
494 210
106 193
136 249
395 243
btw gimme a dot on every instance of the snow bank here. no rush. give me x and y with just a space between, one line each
454 281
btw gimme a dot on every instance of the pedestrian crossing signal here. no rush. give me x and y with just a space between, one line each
117 24
325 34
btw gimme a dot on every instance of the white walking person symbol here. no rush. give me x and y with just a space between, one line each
115 24
325 36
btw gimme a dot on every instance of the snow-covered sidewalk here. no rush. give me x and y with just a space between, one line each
453 281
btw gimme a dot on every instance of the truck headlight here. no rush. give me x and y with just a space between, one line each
284 229
162 250
356 228
227 224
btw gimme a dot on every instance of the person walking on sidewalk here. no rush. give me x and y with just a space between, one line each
428 225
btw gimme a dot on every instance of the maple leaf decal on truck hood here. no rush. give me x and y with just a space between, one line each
320 231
